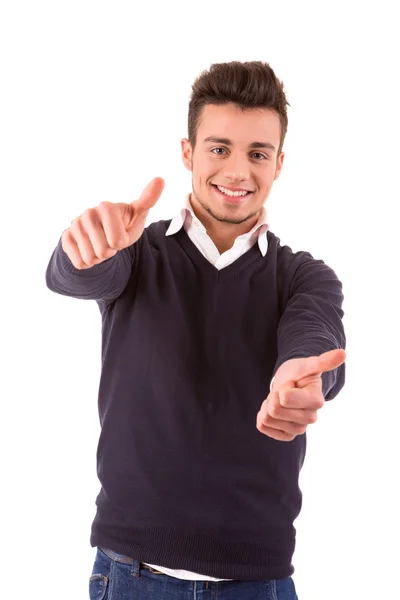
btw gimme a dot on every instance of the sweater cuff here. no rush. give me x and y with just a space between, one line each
69 267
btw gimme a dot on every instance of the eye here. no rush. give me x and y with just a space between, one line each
218 149
254 153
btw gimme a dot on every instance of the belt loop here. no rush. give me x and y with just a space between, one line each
135 571
135 568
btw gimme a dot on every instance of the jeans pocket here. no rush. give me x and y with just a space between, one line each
98 585
100 577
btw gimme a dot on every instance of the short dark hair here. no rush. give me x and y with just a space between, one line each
245 84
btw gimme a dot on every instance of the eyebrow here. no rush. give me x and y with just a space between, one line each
228 142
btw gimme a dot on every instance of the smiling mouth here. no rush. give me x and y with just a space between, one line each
229 195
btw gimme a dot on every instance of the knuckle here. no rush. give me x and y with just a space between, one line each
91 212
89 216
274 410
105 205
269 419
282 399
78 263
116 241
263 418
77 226
88 261
101 255
66 238
107 253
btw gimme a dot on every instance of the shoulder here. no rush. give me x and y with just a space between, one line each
286 257
154 234
157 228
300 264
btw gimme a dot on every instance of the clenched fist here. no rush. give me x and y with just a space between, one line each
100 232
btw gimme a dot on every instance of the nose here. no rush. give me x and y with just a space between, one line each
237 170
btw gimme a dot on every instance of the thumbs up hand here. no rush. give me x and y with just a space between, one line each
100 232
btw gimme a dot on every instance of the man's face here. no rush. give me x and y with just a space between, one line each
237 150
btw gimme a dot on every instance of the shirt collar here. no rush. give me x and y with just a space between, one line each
186 214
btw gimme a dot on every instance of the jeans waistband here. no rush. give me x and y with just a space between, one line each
115 556
125 559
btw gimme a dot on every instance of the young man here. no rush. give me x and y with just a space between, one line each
220 345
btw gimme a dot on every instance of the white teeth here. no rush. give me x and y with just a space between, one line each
229 193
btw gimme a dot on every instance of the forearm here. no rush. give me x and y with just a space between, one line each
105 281
312 321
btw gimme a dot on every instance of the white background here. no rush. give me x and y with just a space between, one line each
94 100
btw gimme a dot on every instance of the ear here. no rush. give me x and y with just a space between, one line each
187 153
279 165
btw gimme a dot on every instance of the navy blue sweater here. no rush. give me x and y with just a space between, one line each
188 354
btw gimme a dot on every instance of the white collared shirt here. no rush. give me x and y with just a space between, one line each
198 234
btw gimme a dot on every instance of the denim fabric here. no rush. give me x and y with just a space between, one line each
118 577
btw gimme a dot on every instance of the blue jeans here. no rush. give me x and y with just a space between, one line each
118 577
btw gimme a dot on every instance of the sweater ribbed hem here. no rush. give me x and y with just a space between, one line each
96 270
199 553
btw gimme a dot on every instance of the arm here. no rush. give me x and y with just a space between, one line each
105 281
312 320
108 230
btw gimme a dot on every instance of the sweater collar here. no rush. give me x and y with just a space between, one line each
186 217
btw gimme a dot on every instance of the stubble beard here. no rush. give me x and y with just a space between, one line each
225 219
